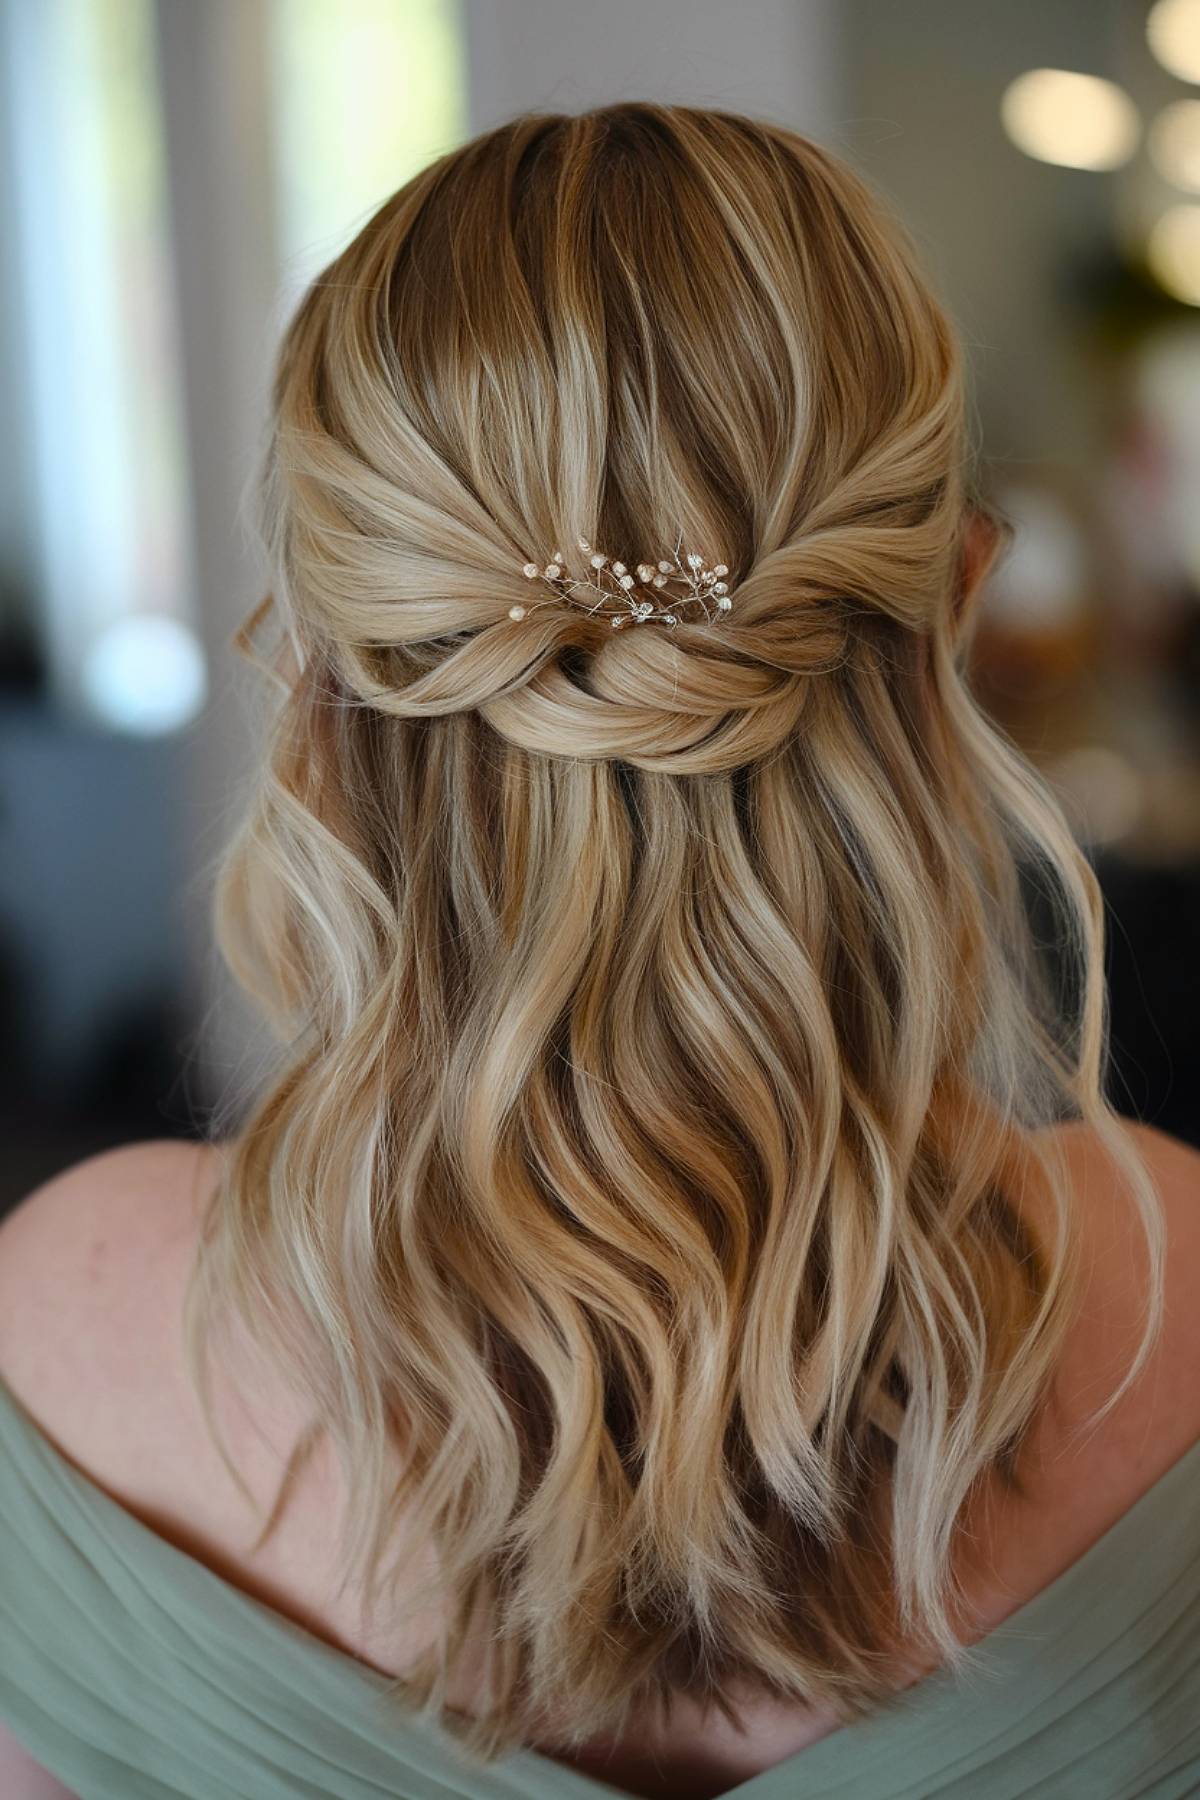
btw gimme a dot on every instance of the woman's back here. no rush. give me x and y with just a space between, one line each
660 1214
108 1246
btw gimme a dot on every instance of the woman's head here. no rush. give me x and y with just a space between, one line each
664 1038
638 326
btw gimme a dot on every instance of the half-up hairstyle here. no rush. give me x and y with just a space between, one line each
666 1051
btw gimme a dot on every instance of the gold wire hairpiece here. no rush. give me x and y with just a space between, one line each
682 580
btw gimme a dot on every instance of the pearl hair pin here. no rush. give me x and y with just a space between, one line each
655 591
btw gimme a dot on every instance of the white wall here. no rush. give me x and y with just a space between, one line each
215 83
774 58
1007 238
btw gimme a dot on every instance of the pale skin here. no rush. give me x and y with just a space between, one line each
92 1267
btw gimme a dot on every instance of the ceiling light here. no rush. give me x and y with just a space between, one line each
1175 144
1080 121
1173 252
1173 33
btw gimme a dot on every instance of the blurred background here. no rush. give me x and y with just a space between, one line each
173 171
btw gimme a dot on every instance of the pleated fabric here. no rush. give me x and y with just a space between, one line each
133 1672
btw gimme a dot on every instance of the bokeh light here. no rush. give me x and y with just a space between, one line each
1173 33
145 674
1173 252
1102 792
1175 144
1079 121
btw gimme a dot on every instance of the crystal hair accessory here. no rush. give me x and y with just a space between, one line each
657 591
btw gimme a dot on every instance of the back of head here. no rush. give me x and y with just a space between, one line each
664 1041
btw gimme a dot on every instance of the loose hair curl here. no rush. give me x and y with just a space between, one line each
666 1051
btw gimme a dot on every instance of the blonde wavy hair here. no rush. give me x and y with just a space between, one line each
638 1198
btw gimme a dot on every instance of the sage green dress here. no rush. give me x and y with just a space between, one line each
130 1670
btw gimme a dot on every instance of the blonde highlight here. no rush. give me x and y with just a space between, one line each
666 1045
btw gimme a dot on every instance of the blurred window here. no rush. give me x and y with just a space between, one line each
366 93
90 333
95 526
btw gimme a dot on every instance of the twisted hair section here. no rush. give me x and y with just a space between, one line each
665 1054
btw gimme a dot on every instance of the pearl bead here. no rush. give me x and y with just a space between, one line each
517 612
531 569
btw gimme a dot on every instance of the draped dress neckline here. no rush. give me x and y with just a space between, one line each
133 1670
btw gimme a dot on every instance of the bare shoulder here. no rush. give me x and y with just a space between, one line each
1115 1238
92 1267
1174 1165
151 1181
1159 1416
